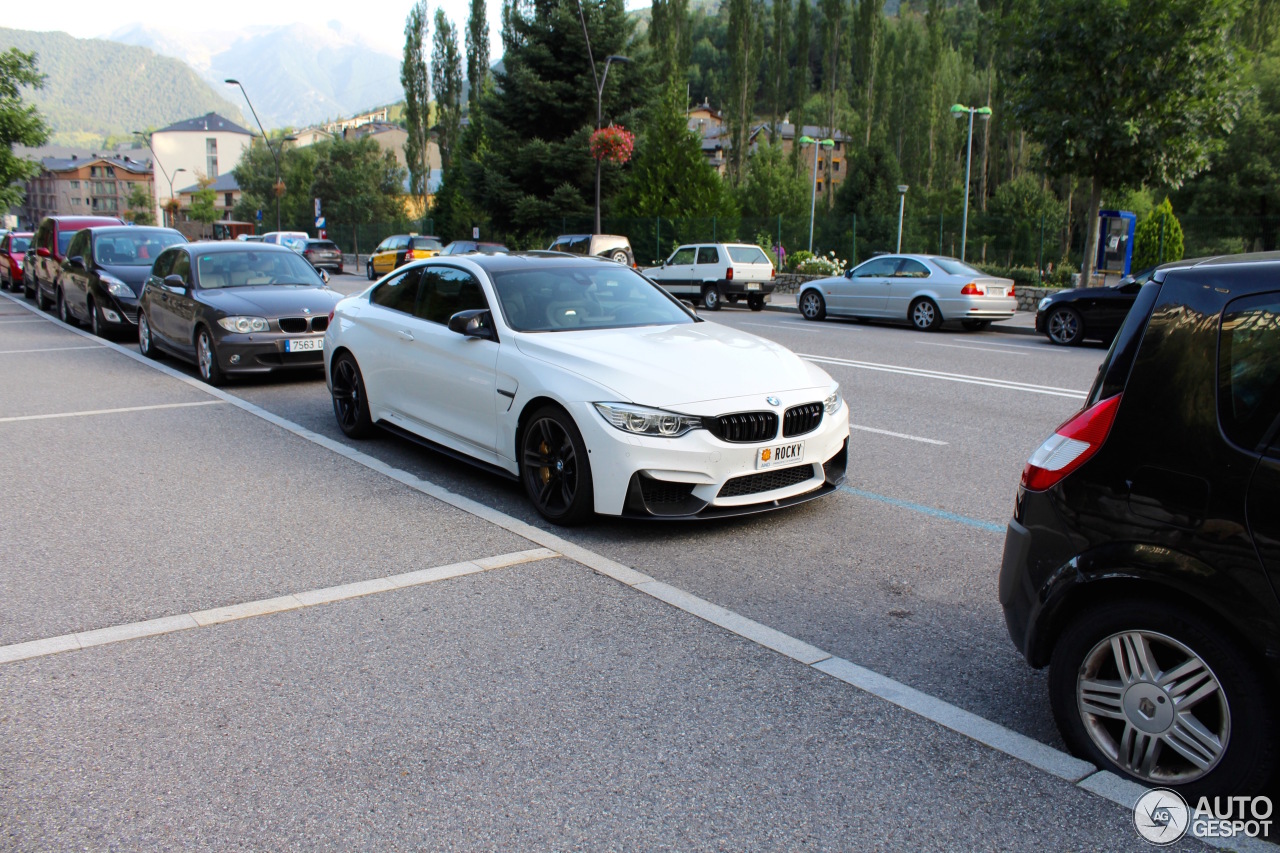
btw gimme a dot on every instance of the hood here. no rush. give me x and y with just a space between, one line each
270 301
667 366
134 276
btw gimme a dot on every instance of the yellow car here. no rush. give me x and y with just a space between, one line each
398 250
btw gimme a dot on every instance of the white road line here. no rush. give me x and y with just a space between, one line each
897 434
1008 385
22 320
45 349
261 607
772 326
970 725
991 349
109 411
982 345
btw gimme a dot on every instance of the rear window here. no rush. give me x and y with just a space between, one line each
1113 373
1249 369
427 243
20 244
574 245
748 255
322 244
953 267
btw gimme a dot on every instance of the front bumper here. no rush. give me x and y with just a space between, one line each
119 313
689 477
264 352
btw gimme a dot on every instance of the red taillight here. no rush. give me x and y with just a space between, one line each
728 276
1012 290
408 254
1070 446
972 289
331 316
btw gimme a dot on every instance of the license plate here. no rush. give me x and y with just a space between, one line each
780 455
753 285
995 291
304 345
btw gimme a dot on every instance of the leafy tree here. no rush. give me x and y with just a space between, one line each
744 70
868 38
357 182
446 86
773 186
670 40
1147 107
779 83
256 175
668 175
1158 238
202 201
802 76
140 204
870 191
477 53
417 95
20 123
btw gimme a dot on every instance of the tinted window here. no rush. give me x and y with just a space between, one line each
877 267
683 255
399 293
182 266
253 267
64 240
953 267
708 255
18 245
576 245
427 243
444 291
1249 368
748 255
79 246
163 264
554 298
913 269
321 244
133 248
400 243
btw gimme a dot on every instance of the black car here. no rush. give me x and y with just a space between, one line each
1142 559
1088 313
49 245
323 255
104 273
233 307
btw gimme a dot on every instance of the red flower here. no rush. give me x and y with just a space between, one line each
613 143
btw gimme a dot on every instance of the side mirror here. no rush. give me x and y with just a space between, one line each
175 283
688 303
43 252
476 323
77 262
849 274
324 276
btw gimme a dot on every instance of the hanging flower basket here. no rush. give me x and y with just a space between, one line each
613 143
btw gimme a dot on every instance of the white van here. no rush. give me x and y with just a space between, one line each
296 240
716 272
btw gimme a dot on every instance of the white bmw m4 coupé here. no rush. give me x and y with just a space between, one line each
593 386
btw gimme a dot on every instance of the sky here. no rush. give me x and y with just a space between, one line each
380 22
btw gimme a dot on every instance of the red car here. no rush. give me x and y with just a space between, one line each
51 239
12 247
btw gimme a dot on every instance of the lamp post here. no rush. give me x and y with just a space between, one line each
279 186
171 177
902 205
959 111
813 200
147 139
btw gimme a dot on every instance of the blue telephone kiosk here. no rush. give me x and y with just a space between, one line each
1115 241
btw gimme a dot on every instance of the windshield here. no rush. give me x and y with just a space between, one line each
254 268
564 298
953 267
20 244
138 249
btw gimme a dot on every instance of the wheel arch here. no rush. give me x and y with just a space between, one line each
1173 578
531 406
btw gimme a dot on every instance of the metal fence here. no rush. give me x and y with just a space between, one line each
1033 244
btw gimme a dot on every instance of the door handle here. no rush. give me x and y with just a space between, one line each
405 335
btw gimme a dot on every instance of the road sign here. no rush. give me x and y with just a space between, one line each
259 215
475 233
317 208
319 221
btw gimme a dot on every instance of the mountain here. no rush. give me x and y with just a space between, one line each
296 75
95 88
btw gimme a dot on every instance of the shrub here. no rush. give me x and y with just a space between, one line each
821 265
795 259
1147 248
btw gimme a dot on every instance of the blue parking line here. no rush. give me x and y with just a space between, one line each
927 510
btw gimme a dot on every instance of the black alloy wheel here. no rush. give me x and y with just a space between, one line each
64 312
812 305
555 469
41 302
146 345
207 358
368 267
1160 694
350 405
95 320
924 315
1064 326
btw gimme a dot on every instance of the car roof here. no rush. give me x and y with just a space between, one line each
527 260
86 221
134 229
205 246
1247 259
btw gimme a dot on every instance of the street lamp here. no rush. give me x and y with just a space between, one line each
813 201
599 78
147 139
902 204
959 111
279 187
171 177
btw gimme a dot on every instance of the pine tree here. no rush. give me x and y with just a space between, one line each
477 53
417 95
779 65
802 79
446 86
743 73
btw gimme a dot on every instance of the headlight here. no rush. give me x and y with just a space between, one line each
243 325
115 286
641 420
832 403
1044 303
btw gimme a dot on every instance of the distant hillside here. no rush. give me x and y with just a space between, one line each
296 75
95 88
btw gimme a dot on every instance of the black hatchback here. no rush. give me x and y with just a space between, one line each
104 273
1142 559
1088 313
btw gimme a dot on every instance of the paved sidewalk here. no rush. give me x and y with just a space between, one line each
1023 323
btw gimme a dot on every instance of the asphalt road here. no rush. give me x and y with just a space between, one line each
533 706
